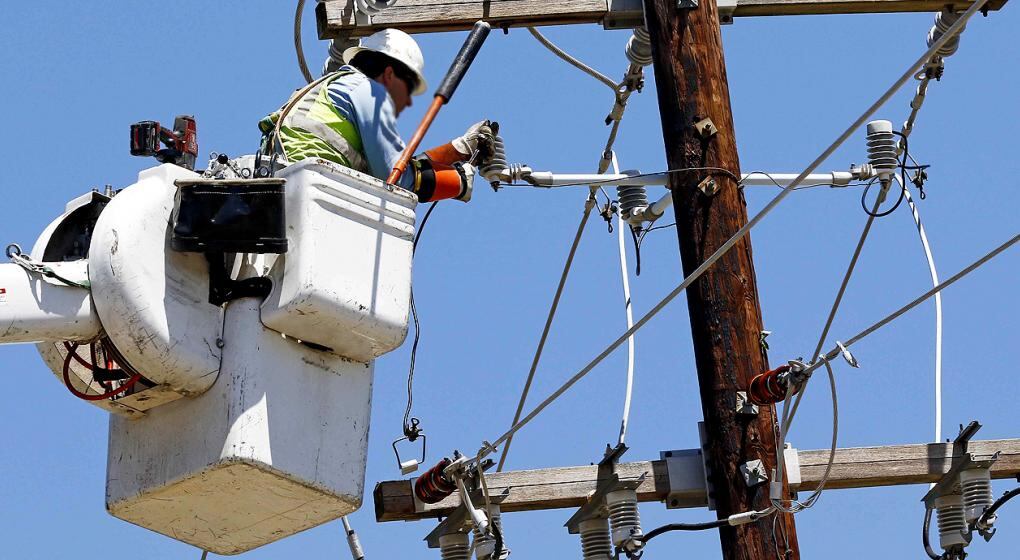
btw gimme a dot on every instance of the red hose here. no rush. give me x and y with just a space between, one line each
73 351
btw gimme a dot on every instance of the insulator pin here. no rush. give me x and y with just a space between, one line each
433 486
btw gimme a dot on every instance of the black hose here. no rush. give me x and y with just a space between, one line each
925 538
684 527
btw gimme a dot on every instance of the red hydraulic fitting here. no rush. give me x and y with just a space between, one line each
770 387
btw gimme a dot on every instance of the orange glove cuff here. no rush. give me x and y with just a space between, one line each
446 154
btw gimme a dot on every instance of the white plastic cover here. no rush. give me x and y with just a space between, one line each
346 281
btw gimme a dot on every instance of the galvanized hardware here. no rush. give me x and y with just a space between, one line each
615 499
744 406
850 359
706 128
754 473
762 339
708 186
962 494
687 4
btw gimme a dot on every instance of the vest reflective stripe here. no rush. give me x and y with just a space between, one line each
315 129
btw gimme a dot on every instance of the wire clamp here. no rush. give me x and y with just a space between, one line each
754 473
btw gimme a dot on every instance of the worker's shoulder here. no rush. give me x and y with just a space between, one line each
350 78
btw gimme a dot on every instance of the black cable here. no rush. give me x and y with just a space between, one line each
637 251
998 503
864 205
684 527
411 429
925 539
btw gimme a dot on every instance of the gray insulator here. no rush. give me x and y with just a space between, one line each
977 492
624 520
952 525
639 47
943 21
595 542
484 544
882 146
455 546
632 198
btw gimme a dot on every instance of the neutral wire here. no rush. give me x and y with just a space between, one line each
722 250
573 61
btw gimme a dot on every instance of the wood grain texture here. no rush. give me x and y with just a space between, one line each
336 17
568 487
725 313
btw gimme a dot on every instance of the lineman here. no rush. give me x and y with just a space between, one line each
349 117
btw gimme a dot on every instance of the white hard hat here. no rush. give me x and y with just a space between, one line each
397 45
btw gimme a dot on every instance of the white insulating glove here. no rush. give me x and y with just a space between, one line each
468 143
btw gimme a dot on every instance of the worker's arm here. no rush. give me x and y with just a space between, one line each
366 103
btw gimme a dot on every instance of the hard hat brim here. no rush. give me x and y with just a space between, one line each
419 89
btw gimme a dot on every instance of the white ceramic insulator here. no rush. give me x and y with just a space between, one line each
624 520
595 542
882 148
455 546
34 310
372 7
977 492
943 21
952 524
633 202
639 47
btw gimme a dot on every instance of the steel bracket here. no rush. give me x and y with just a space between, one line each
744 405
726 9
459 521
608 481
706 128
708 186
687 4
962 460
754 473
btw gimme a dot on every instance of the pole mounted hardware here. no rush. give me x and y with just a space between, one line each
744 405
754 473
614 498
706 128
708 186
687 4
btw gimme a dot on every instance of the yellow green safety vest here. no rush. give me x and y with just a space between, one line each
315 129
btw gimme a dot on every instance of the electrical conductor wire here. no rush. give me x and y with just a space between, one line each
298 47
566 57
742 232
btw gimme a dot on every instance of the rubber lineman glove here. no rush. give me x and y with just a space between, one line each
468 143
467 178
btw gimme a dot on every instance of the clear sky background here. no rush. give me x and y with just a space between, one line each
77 74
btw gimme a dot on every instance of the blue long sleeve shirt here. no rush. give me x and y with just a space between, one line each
366 103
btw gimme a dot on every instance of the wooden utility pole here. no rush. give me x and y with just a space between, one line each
726 323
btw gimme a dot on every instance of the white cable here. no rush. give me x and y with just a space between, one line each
742 232
938 311
622 226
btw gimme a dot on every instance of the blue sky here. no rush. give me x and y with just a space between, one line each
77 74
